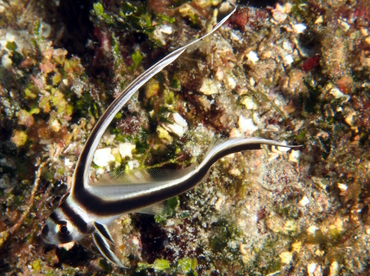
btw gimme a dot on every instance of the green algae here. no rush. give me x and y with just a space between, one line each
11 46
98 8
168 211
310 103
225 231
137 57
187 266
159 265
184 265
36 265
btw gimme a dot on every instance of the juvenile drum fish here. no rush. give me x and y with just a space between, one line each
89 209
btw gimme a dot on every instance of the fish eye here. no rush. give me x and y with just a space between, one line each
63 229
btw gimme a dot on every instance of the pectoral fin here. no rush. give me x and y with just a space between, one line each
105 243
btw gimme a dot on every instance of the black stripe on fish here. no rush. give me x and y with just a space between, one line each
75 218
54 218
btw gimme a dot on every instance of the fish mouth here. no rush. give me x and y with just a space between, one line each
45 239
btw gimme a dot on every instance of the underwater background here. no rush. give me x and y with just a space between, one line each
293 71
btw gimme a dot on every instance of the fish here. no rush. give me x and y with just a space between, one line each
90 208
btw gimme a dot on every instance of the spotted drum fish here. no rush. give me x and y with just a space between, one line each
89 209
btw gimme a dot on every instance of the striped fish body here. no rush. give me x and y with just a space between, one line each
89 209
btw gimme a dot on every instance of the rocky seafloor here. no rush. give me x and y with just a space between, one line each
293 71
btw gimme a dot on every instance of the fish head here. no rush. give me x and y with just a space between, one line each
59 229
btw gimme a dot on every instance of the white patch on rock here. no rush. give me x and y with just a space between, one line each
230 81
10 37
249 103
179 120
350 118
161 31
334 269
219 74
314 269
312 230
246 125
55 125
103 157
125 149
287 46
6 62
166 29
133 164
304 201
252 56
219 202
338 94
234 132
236 37
294 156
67 163
344 24
342 187
288 60
178 127
299 28
108 138
45 29
209 87
286 257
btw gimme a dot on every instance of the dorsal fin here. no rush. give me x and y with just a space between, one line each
81 174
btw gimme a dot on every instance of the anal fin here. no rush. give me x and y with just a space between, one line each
105 243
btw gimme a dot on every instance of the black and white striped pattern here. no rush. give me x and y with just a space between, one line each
88 209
